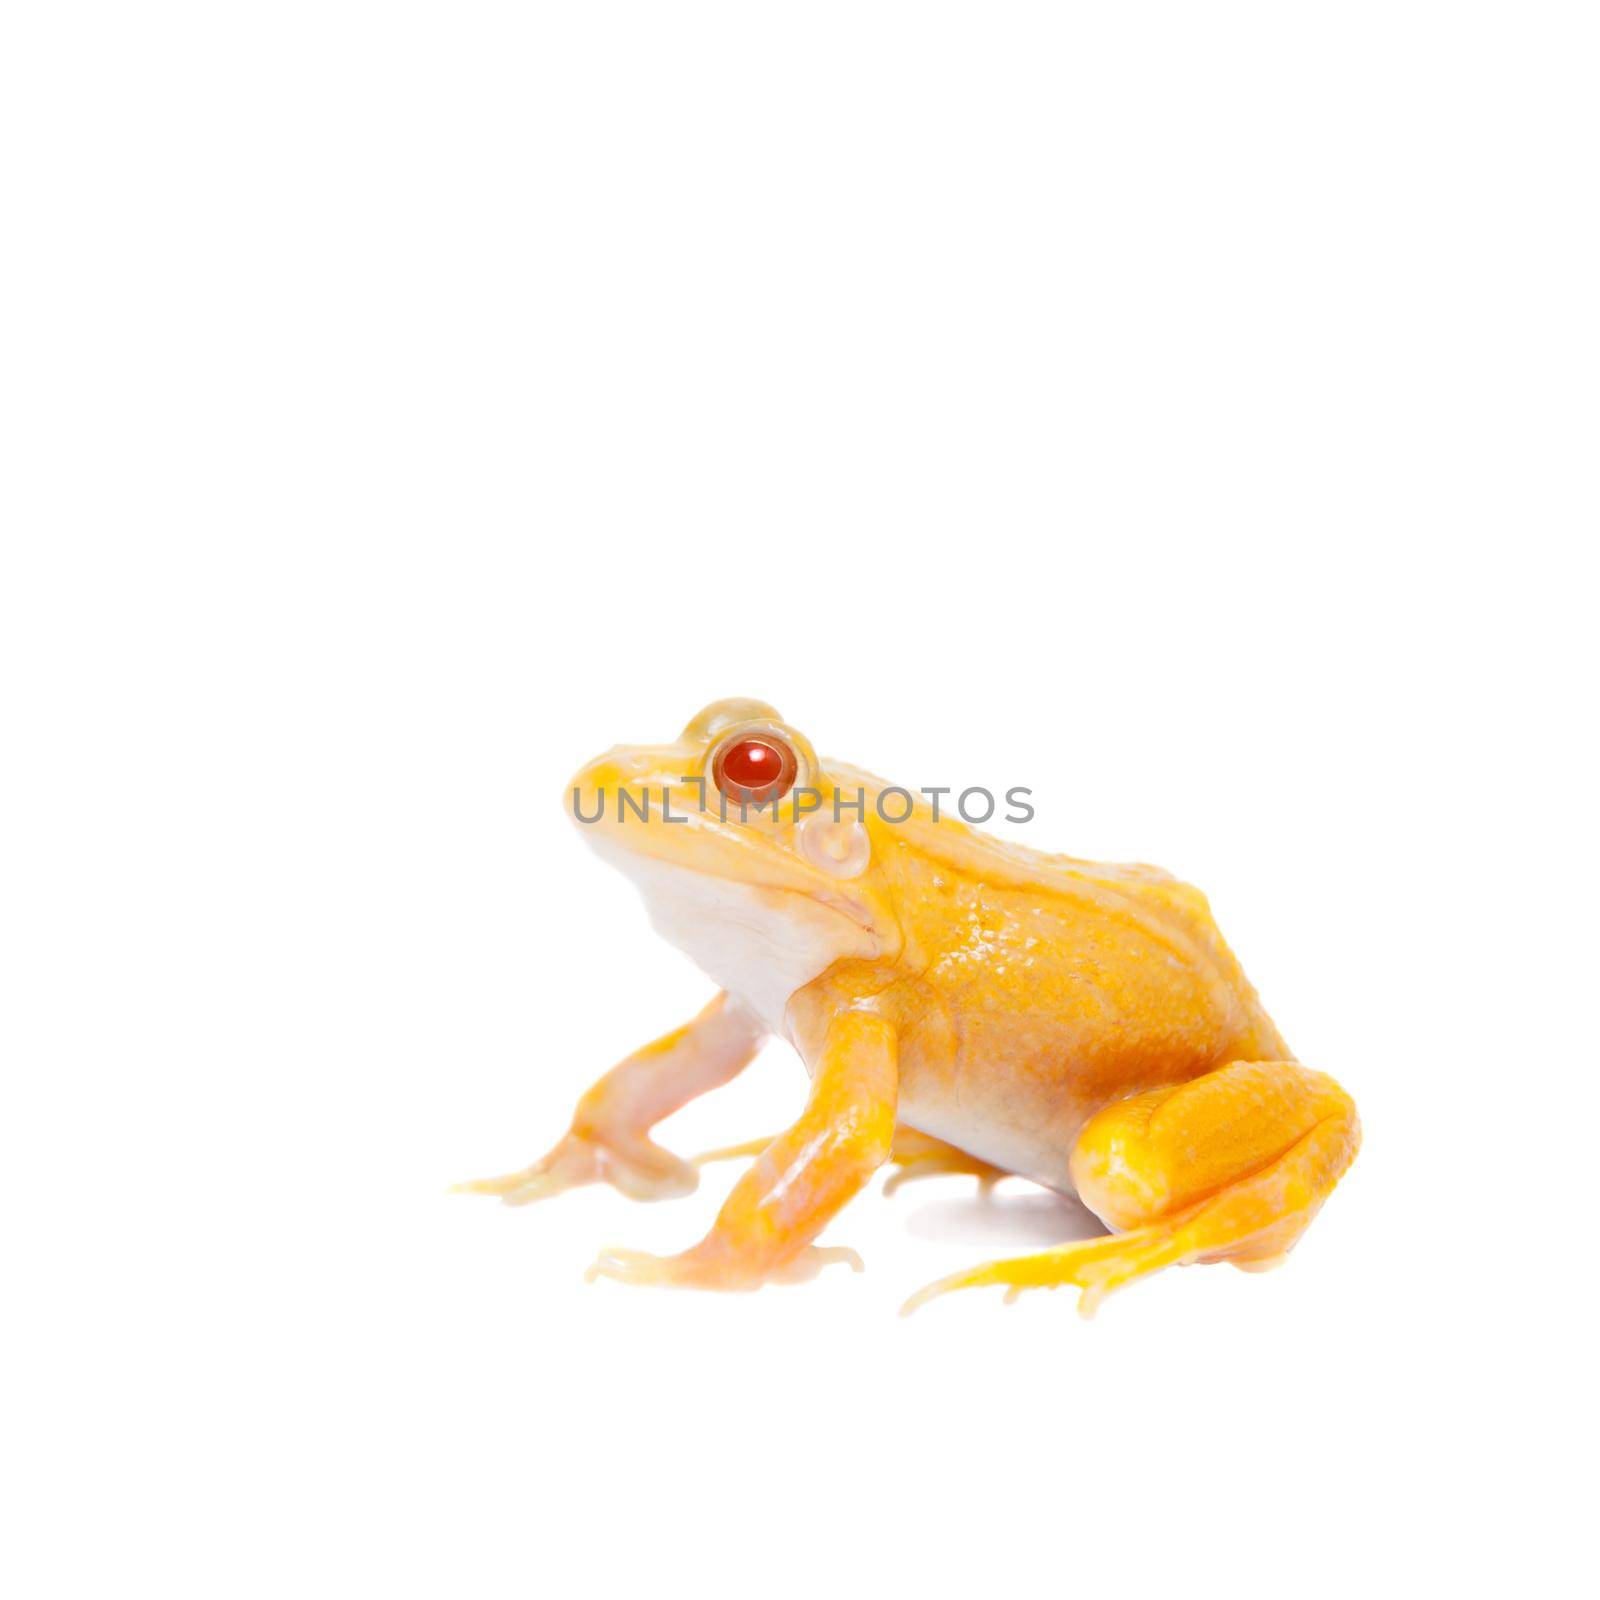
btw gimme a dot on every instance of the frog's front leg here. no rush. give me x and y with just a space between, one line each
764 1231
609 1138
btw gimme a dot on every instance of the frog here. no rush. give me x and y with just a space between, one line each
961 1003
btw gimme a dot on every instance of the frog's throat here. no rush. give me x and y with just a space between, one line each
761 943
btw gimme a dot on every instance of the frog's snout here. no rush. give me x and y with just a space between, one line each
593 791
590 786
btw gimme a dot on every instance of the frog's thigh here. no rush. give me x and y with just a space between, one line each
1230 1166
1160 1152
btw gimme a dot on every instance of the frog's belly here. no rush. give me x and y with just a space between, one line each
1027 1121
1014 1084
1038 1149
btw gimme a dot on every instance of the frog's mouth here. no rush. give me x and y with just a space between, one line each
727 856
635 806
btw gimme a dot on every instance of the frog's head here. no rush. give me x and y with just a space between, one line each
745 862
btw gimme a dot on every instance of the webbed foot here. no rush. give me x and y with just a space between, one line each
700 1269
639 1168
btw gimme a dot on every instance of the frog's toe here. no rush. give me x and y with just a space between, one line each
640 1169
994 1274
647 1172
919 1155
688 1270
805 1266
697 1269
630 1266
1093 1266
733 1152
574 1161
976 1278
935 1166
517 1188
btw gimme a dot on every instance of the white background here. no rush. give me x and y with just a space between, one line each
1187 411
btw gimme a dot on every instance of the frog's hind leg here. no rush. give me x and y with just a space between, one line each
1231 1166
732 1152
920 1155
915 1155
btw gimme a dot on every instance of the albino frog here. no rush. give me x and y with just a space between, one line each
961 1004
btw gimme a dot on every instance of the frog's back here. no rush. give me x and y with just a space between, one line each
1052 986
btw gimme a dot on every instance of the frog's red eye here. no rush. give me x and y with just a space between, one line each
757 769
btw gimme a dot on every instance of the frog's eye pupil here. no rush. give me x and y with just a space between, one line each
752 764
759 769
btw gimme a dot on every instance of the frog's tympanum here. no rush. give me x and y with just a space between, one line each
961 1004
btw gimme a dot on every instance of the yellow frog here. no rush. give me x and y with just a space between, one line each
961 1004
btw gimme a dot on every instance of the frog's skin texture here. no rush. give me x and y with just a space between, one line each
961 1004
